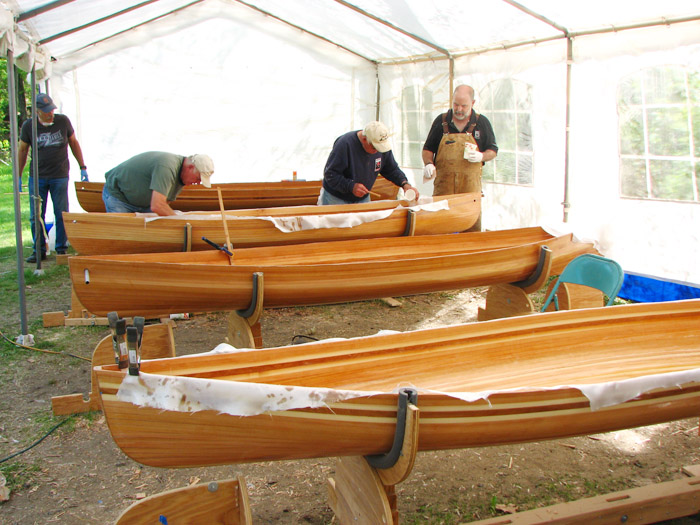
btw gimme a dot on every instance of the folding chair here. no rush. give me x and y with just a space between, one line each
591 270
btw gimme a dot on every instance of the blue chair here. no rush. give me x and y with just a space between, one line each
591 270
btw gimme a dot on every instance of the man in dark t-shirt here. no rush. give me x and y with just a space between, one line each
54 135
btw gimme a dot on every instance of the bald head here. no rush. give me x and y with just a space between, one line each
464 90
462 102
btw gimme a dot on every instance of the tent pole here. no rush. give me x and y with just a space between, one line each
36 201
12 97
379 86
569 61
452 79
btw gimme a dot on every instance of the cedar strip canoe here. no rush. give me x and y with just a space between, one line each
521 379
152 284
236 195
111 233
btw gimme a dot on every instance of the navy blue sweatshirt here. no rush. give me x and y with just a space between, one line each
349 163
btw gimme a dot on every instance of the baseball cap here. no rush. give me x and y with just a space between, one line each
378 135
44 103
205 167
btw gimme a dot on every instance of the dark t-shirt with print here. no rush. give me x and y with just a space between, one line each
52 143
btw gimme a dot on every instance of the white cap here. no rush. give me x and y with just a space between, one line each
205 166
378 135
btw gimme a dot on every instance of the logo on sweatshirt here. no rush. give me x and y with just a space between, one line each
378 164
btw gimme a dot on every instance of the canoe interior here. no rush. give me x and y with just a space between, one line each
596 345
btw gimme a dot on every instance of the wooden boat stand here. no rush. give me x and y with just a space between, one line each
510 300
362 490
221 502
244 330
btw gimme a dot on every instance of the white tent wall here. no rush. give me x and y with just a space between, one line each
659 238
542 67
645 236
261 98
264 98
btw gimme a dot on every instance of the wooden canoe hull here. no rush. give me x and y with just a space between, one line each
235 195
523 361
316 273
111 233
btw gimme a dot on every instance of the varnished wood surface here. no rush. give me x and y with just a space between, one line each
236 195
216 503
315 273
530 363
111 233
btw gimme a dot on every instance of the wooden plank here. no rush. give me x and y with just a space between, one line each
220 502
643 505
53 319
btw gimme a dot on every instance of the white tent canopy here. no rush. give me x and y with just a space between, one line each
265 86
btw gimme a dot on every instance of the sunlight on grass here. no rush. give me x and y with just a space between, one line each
7 213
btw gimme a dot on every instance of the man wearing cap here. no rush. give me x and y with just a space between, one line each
150 181
357 158
458 144
54 135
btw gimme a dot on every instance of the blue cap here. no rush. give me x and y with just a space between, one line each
44 103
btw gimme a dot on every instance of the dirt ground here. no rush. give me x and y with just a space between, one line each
78 475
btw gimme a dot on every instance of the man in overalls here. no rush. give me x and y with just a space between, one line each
458 144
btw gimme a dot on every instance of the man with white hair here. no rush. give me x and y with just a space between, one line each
150 181
355 161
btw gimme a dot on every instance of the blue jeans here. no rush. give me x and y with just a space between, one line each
58 188
325 198
114 205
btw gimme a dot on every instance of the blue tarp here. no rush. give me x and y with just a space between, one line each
647 289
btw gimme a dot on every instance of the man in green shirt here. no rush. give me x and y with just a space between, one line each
150 181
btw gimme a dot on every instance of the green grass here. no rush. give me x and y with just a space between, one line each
19 475
7 215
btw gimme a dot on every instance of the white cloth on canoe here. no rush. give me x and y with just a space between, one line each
184 394
315 222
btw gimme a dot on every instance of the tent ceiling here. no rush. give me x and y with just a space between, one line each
378 30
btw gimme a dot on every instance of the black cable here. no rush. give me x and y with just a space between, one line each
35 444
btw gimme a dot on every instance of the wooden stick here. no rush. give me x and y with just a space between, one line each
375 194
229 246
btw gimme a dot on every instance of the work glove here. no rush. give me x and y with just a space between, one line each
428 172
84 175
474 156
